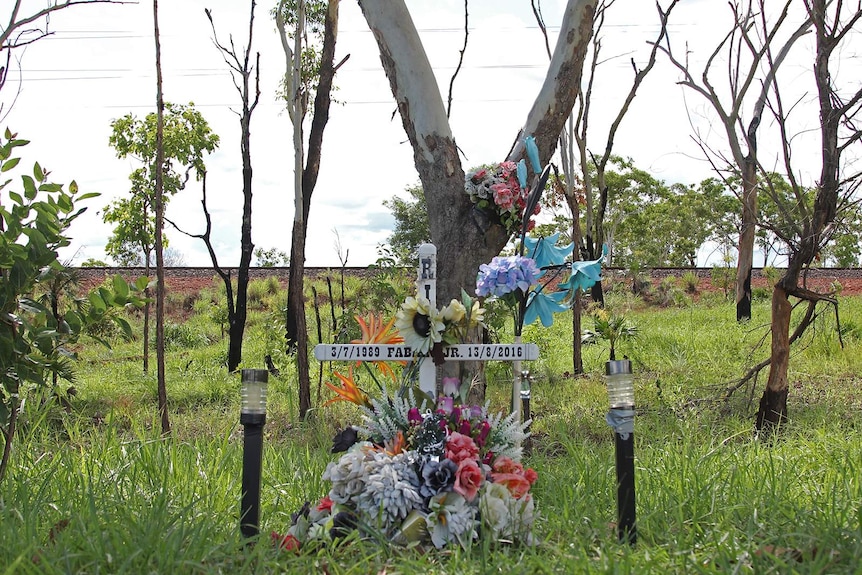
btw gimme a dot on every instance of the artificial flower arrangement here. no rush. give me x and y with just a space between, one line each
417 471
496 188
502 189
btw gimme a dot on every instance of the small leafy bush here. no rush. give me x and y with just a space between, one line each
690 281
723 278
760 294
771 274
183 336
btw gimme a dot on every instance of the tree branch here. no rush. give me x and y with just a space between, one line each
460 58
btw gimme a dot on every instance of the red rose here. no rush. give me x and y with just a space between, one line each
287 542
325 504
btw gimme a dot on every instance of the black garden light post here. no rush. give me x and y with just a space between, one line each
252 417
618 375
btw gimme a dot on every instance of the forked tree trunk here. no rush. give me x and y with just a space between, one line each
462 243
835 112
319 119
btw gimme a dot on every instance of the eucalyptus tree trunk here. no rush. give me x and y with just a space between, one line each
463 244
465 241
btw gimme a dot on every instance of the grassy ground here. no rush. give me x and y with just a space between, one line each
94 489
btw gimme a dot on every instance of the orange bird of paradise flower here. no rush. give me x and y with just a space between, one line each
374 330
348 392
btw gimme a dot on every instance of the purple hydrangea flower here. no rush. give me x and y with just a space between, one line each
505 274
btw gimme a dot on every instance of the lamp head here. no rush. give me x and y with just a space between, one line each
621 392
253 391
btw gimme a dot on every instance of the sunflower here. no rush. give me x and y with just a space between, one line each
375 331
420 325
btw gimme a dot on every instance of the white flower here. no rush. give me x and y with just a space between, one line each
451 517
494 508
504 516
420 325
347 475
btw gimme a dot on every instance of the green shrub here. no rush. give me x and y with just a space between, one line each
183 336
760 294
771 274
690 281
723 277
257 292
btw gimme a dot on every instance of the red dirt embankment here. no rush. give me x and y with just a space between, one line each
193 279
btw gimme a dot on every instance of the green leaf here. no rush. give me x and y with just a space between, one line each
8 165
121 287
106 296
29 187
16 197
97 302
125 327
38 173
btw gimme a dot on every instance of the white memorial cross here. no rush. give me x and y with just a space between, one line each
426 286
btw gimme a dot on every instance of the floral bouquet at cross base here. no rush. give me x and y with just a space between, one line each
418 470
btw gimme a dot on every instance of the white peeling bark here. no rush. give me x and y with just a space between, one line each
556 98
410 75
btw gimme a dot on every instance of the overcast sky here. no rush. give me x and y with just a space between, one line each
98 66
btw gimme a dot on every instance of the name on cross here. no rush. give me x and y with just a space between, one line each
458 352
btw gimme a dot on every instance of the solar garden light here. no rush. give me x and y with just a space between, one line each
252 417
618 375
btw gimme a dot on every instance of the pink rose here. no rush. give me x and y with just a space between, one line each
503 198
468 479
460 447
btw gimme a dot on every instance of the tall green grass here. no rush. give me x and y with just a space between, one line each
97 490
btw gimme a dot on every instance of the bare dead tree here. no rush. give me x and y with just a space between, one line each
744 49
839 110
566 187
460 57
23 29
596 207
248 88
